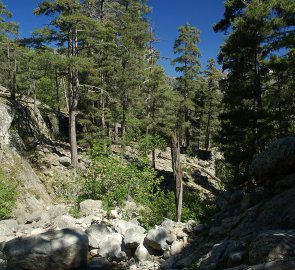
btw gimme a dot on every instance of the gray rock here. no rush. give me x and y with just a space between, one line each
65 161
272 246
112 247
48 173
99 264
235 258
220 253
96 234
143 252
57 210
134 236
275 214
176 247
59 250
90 207
168 224
8 227
199 228
278 159
6 118
189 226
45 220
122 226
276 265
159 239
64 221
34 216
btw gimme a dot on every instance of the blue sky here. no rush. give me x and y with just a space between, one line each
166 17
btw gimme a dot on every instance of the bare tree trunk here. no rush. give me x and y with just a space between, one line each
57 92
177 173
103 120
73 138
116 131
13 89
35 96
73 96
208 126
123 124
280 104
9 69
154 158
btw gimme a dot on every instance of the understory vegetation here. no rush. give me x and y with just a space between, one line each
7 195
115 179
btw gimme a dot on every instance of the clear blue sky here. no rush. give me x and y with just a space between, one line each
166 17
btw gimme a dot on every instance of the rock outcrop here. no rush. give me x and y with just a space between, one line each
277 161
252 230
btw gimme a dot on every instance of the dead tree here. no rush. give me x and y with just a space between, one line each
177 173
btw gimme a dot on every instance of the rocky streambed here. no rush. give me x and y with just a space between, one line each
54 240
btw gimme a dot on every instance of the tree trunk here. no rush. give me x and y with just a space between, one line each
13 93
154 158
73 138
280 104
35 96
207 138
57 93
123 123
73 96
103 119
177 174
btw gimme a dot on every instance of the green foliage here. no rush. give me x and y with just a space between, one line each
7 196
74 211
196 208
114 180
160 206
148 143
254 109
189 83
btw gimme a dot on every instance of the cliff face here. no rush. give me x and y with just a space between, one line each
21 128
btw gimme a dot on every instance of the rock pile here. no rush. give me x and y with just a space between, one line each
50 241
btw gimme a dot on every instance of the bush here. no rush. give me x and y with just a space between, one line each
197 208
114 179
161 206
7 196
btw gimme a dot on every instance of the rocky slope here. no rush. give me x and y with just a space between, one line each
252 230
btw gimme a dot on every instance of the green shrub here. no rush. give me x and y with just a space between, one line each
161 206
7 196
114 179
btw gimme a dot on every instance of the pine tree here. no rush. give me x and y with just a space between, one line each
257 30
8 48
212 101
188 64
73 31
